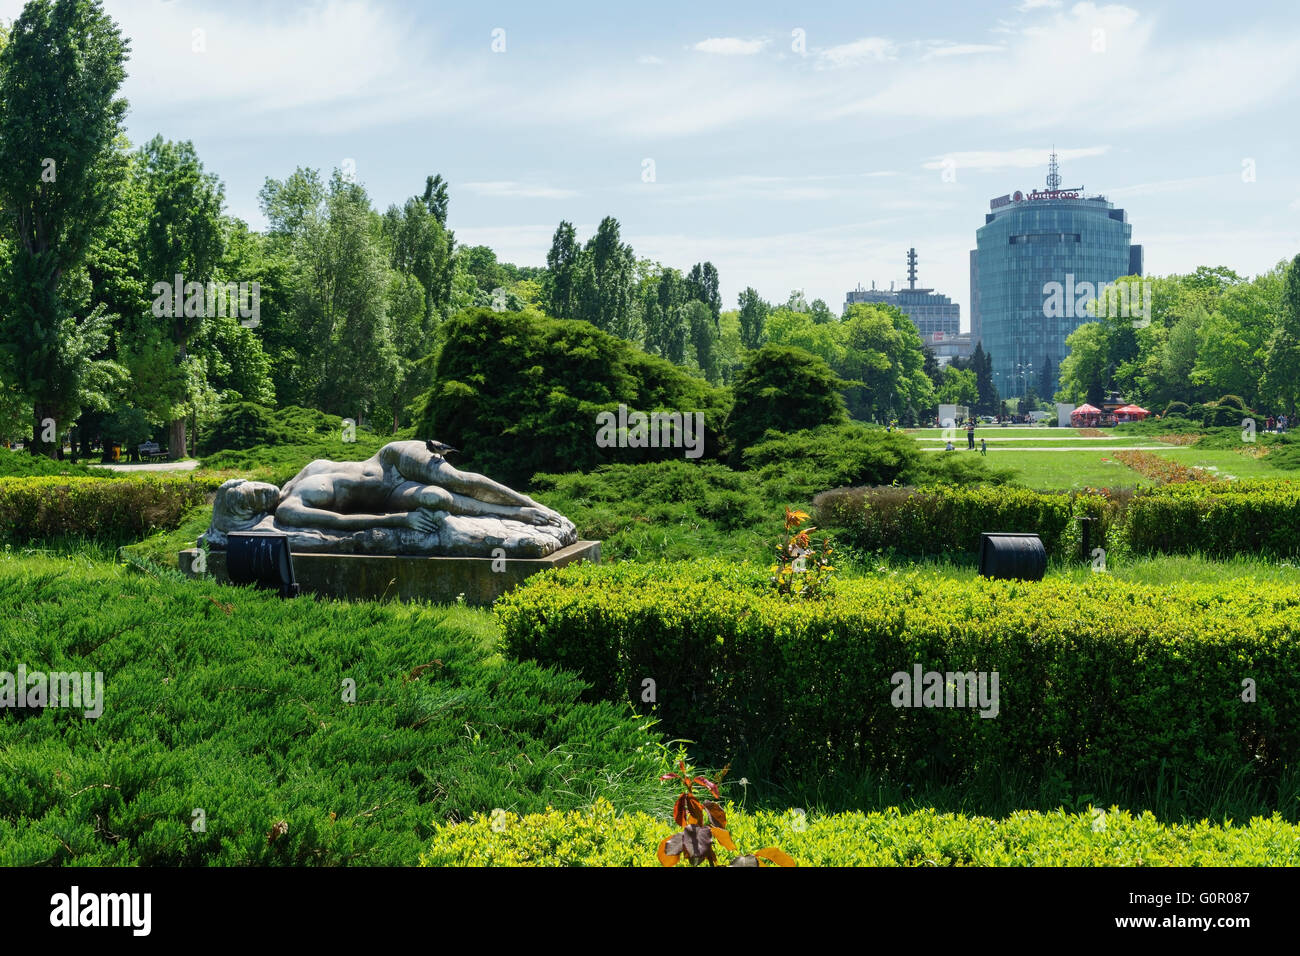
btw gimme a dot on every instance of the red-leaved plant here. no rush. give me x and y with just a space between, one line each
703 823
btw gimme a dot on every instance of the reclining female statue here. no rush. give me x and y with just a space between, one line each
404 499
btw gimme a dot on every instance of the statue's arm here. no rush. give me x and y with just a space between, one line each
294 513
481 487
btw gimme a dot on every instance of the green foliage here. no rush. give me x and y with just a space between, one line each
234 701
244 425
782 388
1099 680
15 464
519 393
45 508
798 465
1221 518
940 519
603 837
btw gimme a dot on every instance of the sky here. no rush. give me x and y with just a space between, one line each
796 146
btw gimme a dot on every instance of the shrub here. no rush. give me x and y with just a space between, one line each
1233 401
785 389
519 393
234 701
1176 408
21 464
1222 518
802 463
602 837
940 519
45 508
244 425
1099 680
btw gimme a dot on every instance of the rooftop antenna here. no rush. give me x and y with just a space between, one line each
911 268
1053 171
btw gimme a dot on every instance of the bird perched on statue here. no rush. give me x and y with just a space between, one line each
439 449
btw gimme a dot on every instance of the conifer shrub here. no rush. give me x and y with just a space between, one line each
308 733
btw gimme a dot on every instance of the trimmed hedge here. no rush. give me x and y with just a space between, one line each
943 518
1215 518
600 837
43 508
1219 518
1103 680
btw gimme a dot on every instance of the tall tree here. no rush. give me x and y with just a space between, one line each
558 288
60 72
605 283
753 316
988 402
1281 379
182 243
435 198
702 284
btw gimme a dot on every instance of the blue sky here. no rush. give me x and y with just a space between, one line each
795 145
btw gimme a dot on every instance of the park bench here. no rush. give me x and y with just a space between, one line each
149 450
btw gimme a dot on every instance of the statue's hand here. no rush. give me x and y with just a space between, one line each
422 519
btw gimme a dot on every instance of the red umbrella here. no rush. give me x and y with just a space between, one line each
1086 410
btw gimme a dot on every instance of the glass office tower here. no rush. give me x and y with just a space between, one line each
1027 242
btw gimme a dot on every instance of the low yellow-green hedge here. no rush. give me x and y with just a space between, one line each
601 837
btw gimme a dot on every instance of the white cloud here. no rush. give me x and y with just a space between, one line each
1027 5
964 49
1058 72
731 46
509 189
867 48
1009 158
648 60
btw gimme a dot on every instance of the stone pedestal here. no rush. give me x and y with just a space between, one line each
438 579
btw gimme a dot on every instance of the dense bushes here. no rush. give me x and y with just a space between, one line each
602 837
14 464
1216 518
1100 681
245 425
941 519
1223 518
519 393
786 389
238 703
44 508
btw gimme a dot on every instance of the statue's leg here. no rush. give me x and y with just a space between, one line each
476 486
411 495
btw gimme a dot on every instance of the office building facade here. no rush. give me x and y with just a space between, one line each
1034 246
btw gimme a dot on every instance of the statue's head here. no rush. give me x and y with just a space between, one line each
418 460
241 504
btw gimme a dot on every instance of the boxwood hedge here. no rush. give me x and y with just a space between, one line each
601 837
44 508
1103 680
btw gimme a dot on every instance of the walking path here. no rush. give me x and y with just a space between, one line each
153 466
993 447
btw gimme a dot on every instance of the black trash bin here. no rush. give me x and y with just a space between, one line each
1017 557
262 559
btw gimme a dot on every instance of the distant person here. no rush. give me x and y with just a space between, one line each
984 447
970 435
950 448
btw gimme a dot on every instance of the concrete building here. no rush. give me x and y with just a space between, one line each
936 317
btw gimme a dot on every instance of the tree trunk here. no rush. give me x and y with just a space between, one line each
42 412
176 439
